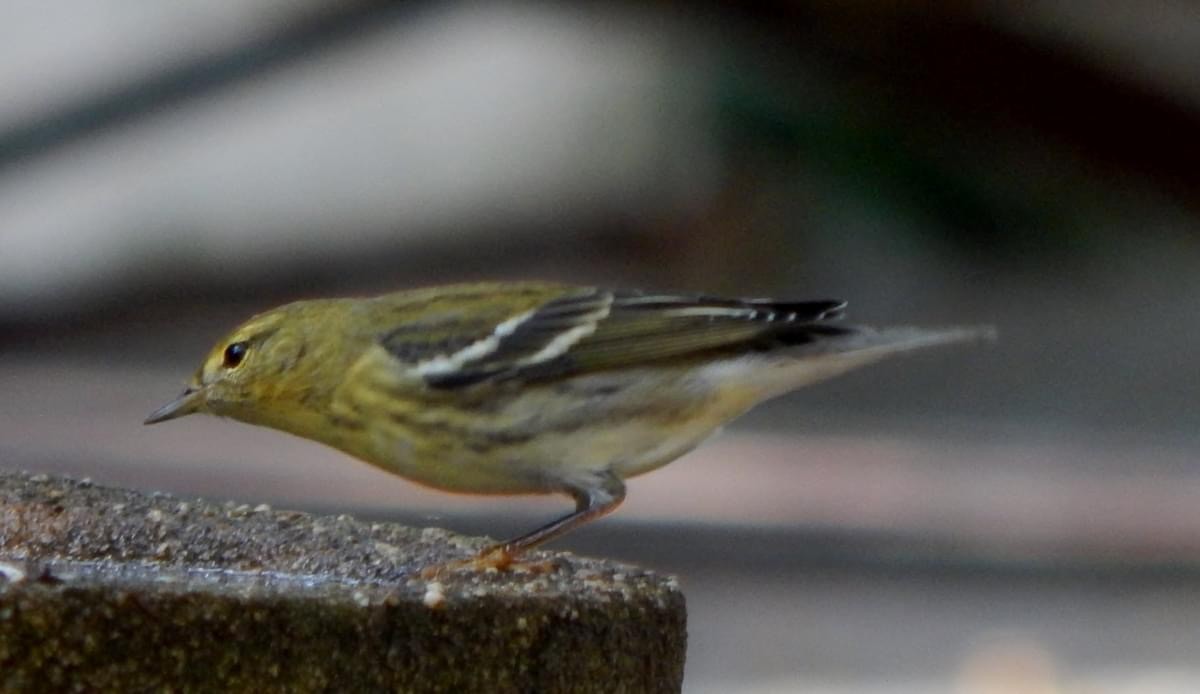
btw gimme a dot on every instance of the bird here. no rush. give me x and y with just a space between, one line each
528 387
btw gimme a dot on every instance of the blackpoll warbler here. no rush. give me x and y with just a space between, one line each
516 388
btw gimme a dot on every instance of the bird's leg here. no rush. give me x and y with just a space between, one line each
591 502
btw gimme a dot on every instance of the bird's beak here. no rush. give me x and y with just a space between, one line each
190 401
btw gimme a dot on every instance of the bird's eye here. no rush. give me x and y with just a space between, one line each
234 354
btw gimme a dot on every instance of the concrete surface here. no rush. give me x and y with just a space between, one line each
103 589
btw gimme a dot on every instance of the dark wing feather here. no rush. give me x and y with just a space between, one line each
521 347
596 329
427 324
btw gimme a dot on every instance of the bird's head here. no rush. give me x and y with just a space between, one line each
261 368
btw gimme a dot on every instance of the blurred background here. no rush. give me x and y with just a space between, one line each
1014 517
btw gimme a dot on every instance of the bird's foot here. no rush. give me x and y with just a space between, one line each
494 558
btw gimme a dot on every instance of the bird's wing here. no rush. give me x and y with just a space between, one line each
589 329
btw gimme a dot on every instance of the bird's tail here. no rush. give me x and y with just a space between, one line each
822 356
894 340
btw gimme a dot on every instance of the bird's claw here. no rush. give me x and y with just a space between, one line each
495 558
